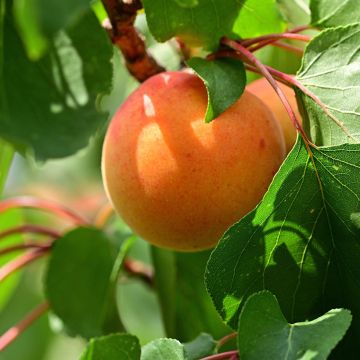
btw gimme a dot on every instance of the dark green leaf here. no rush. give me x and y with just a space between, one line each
49 105
200 23
203 345
163 349
40 20
113 347
195 312
225 81
300 243
80 281
330 13
264 332
331 71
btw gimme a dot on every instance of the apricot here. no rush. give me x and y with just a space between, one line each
262 89
179 182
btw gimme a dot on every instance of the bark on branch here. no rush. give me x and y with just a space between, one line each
122 15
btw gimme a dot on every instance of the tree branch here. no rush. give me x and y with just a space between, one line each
122 15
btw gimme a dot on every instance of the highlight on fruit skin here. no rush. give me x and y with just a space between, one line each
178 182
262 89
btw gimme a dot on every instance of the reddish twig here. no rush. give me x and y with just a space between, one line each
279 44
299 28
274 37
139 270
27 245
123 34
265 72
32 229
225 339
223 356
10 335
45 205
20 262
104 215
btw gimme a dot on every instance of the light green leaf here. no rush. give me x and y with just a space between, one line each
264 332
225 81
258 18
300 243
80 282
163 349
6 156
49 107
331 71
113 347
296 12
330 13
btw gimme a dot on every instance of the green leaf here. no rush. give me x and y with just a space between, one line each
6 157
200 23
264 332
330 70
163 349
8 220
39 20
195 312
80 282
330 13
203 345
225 81
301 242
113 347
296 12
49 106
258 18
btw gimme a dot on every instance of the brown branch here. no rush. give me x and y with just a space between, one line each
122 15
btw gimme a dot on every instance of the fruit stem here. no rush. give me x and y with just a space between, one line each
33 229
225 339
281 45
44 205
233 354
266 73
104 215
27 245
20 262
122 15
10 335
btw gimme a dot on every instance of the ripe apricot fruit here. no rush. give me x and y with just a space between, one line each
262 89
179 182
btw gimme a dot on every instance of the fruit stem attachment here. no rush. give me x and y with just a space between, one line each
104 215
10 335
122 15
248 55
44 205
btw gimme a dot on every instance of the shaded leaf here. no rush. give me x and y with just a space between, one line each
296 12
225 81
330 13
203 345
264 332
163 349
49 105
330 70
113 347
80 282
6 157
300 242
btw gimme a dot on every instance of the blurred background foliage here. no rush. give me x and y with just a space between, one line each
76 183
